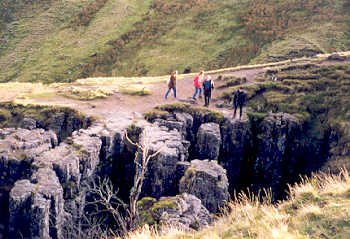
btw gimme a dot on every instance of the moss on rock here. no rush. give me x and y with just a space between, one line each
162 111
164 204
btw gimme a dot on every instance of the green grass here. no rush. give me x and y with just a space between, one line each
52 42
46 47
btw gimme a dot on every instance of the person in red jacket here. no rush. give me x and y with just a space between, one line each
197 85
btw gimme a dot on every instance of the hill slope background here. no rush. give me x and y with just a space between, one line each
60 41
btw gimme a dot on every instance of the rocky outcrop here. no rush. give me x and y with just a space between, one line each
261 151
278 148
18 148
236 136
55 174
183 122
208 181
63 122
161 176
208 141
37 206
74 161
187 121
184 212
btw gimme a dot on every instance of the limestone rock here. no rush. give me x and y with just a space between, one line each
74 162
279 135
183 211
171 124
18 148
161 176
37 206
29 123
187 121
89 151
208 181
181 168
235 141
183 122
208 141
65 161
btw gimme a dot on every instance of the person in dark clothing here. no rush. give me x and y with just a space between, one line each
239 100
208 86
172 84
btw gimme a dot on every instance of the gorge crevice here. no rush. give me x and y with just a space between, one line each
261 151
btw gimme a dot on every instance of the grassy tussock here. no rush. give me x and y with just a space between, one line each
85 94
319 207
12 114
161 111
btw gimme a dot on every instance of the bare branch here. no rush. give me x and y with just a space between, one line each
141 169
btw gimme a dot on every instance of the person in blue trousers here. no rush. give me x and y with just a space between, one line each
197 85
172 84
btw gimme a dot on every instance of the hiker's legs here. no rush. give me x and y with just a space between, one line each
195 92
240 111
200 92
174 89
234 112
206 99
167 93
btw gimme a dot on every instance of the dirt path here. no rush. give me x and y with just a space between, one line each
119 102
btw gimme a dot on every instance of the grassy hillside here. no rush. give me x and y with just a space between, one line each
319 207
68 39
51 43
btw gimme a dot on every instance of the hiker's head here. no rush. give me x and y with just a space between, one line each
240 88
201 73
174 73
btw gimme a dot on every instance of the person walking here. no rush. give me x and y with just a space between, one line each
171 84
208 86
239 100
197 85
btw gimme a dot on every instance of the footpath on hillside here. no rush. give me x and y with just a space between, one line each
118 102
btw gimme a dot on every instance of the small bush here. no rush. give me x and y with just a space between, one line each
207 114
232 81
136 91
85 94
164 204
88 13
